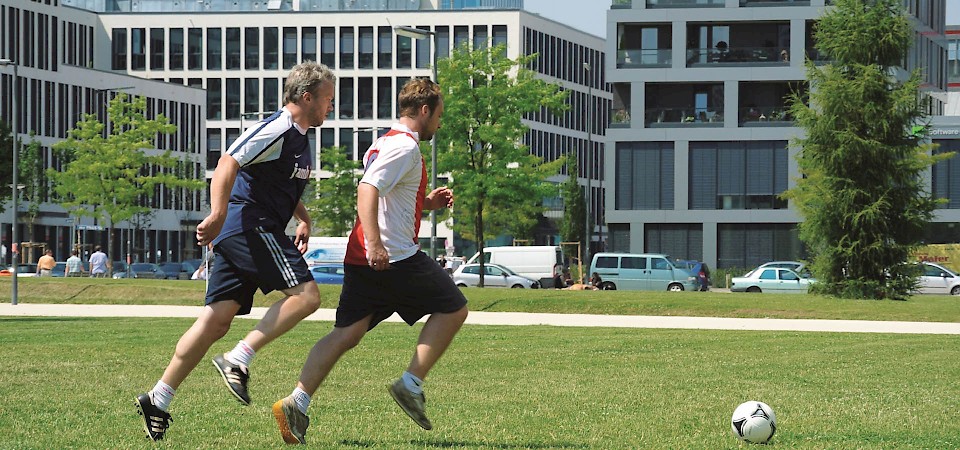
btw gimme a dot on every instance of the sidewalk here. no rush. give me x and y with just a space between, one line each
515 318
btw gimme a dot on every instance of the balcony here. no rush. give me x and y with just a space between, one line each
774 2
620 108
766 56
622 4
686 3
619 118
683 117
644 58
766 116
767 104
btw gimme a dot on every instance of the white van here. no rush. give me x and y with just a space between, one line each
536 261
643 271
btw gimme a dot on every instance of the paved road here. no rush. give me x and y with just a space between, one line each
514 318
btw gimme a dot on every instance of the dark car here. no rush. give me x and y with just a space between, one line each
173 270
140 270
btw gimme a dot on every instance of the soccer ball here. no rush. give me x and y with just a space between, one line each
754 422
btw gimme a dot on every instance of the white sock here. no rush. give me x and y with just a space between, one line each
412 383
242 354
302 399
161 395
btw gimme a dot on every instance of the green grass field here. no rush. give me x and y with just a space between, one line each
925 308
70 382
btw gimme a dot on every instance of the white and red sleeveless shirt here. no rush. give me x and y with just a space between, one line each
393 165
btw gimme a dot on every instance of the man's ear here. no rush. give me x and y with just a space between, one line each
425 110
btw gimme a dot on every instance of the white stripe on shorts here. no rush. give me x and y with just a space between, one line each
278 257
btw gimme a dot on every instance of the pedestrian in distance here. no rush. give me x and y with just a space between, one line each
254 193
74 265
98 263
384 269
45 264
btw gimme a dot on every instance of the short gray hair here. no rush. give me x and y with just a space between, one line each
306 77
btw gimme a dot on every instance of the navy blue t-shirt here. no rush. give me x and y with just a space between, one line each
275 166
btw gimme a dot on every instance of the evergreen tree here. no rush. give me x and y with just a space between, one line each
332 202
862 197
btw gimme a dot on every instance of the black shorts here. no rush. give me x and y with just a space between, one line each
414 287
254 259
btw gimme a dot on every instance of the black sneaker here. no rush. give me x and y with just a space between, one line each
155 420
235 376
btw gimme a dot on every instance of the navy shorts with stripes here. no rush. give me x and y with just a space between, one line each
413 288
254 259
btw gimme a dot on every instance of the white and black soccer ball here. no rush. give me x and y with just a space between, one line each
754 422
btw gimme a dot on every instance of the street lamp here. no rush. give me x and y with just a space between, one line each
588 171
416 33
15 246
252 114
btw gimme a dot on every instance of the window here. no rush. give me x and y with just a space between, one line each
607 262
365 98
251 95
443 42
384 48
384 98
309 44
138 48
365 60
346 142
175 57
271 48
156 48
232 109
749 245
345 98
945 175
644 178
404 52
119 43
479 37
214 98
271 97
633 262
768 274
461 37
251 48
214 48
738 175
423 51
328 55
684 240
195 49
289 47
233 49
346 48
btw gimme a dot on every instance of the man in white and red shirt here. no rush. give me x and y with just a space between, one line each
384 270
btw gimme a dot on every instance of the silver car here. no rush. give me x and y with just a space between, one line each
494 275
771 279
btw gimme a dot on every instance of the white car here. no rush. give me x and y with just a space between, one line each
936 279
771 279
796 266
495 275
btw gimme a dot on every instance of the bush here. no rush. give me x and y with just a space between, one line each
718 277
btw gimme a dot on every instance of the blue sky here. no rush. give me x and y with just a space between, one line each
591 15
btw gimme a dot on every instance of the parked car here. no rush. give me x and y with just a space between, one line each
494 275
23 270
700 270
771 279
327 273
173 270
936 279
796 266
140 270
642 271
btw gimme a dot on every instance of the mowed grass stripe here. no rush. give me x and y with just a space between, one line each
70 382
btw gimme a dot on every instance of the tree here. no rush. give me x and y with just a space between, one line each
332 202
6 164
575 208
108 177
499 185
862 197
31 176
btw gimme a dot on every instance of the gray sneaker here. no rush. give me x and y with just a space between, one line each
293 423
412 404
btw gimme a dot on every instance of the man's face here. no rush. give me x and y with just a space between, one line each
319 103
432 123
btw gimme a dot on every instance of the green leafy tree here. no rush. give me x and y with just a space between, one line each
862 197
31 176
499 185
332 202
575 208
109 177
6 164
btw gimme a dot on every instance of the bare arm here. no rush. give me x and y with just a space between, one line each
220 187
303 227
368 198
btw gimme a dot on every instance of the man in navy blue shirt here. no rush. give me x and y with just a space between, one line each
254 193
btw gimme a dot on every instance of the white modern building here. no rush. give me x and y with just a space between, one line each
701 137
237 52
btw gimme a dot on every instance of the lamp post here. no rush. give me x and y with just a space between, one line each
15 246
416 33
588 171
252 114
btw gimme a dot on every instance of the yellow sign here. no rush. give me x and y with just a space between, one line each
947 255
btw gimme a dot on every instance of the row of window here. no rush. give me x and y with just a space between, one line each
272 48
739 245
722 175
57 107
568 61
